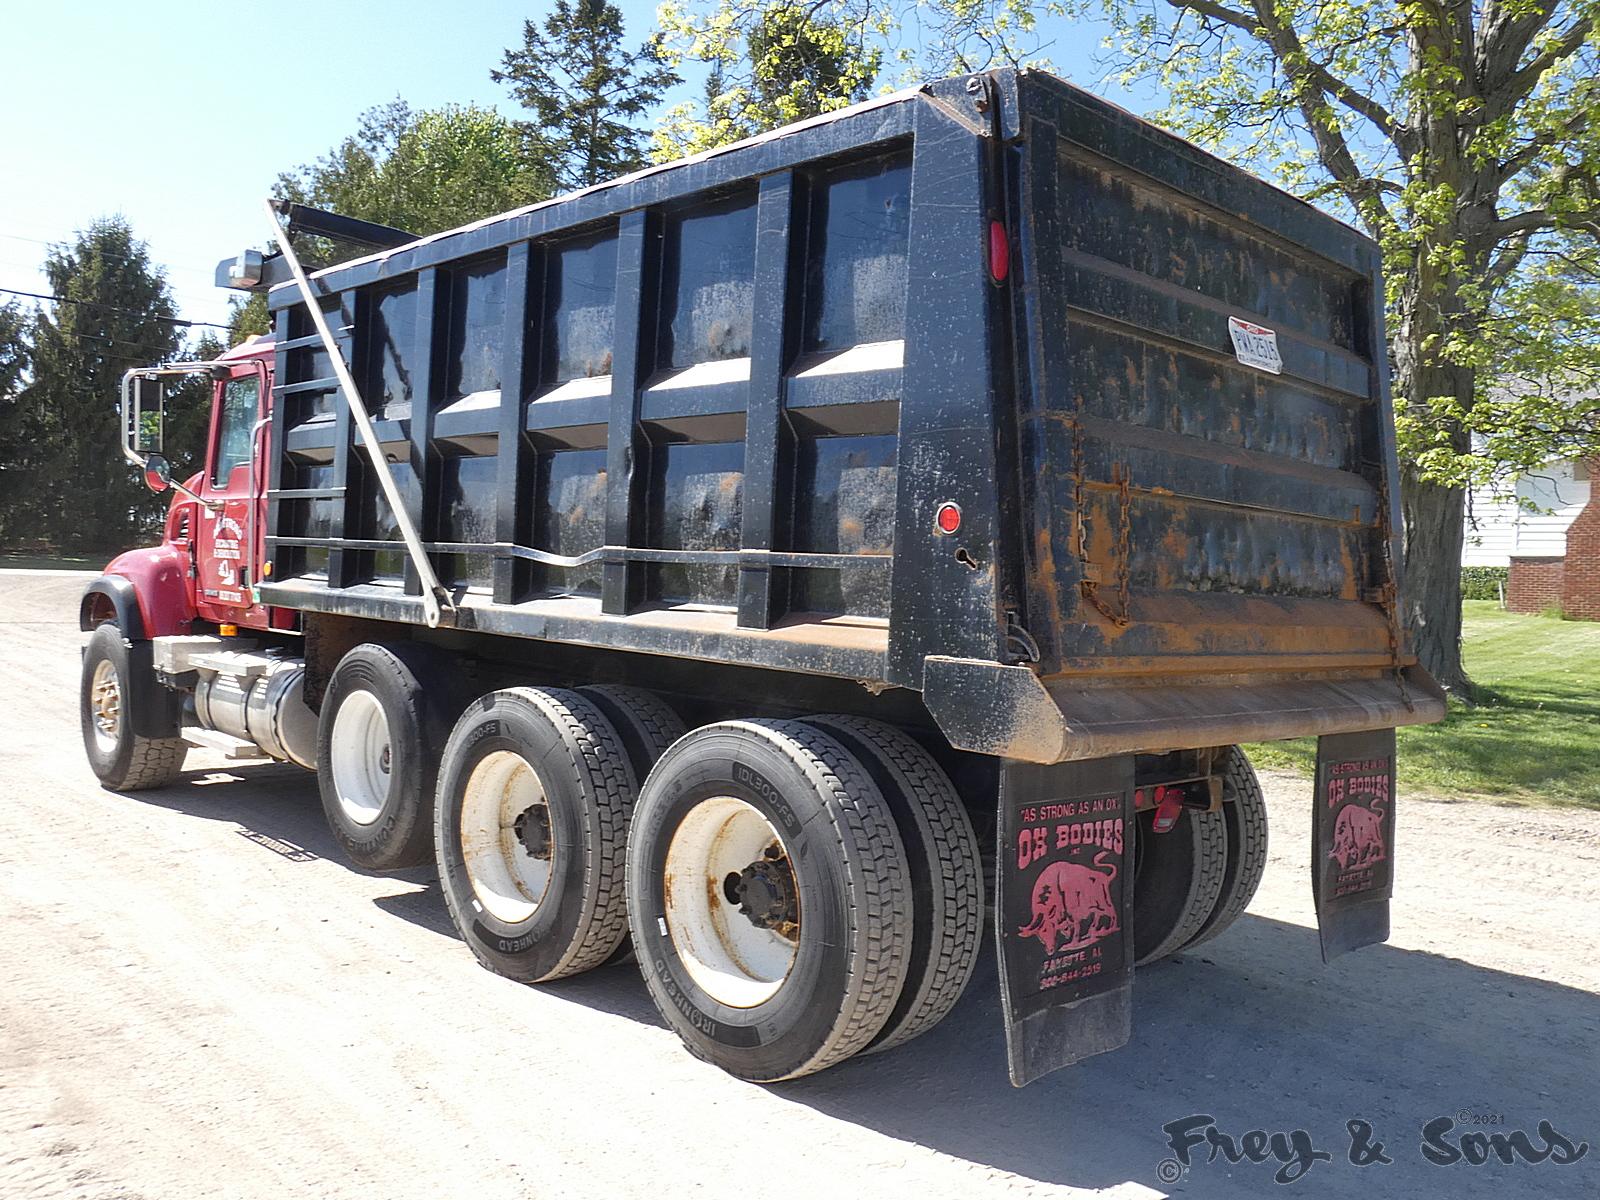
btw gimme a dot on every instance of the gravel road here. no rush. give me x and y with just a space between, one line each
198 998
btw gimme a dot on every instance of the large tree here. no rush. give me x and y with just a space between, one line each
114 311
425 171
771 62
587 92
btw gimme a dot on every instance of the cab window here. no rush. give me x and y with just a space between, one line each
235 426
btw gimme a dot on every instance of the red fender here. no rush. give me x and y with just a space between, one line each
161 585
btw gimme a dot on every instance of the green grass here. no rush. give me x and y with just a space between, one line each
1534 735
51 562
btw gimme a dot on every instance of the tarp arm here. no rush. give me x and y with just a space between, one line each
435 598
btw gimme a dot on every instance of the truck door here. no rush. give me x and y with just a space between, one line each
228 543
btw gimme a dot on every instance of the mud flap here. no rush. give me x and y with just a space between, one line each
1063 897
1352 840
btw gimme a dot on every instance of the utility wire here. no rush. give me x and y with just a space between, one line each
109 308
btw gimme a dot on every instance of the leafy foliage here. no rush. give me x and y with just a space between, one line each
1483 583
425 171
585 91
247 317
19 418
772 64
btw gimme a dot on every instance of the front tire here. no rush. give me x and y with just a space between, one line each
123 761
769 898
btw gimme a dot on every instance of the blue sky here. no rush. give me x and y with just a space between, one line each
180 116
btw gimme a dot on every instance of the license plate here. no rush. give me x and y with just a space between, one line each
1255 345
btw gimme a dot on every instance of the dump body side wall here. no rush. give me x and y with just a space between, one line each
684 414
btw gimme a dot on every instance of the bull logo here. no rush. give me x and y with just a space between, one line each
1358 836
1072 905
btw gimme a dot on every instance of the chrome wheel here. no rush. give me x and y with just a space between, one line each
732 903
105 701
506 840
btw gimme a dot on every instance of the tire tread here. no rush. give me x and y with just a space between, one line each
954 867
1239 778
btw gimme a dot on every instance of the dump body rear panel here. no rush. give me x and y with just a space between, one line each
1253 528
711 410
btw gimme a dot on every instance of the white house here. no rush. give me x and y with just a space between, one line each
1533 524
1549 536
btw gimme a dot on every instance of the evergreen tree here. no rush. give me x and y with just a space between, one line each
115 312
188 408
585 91
19 418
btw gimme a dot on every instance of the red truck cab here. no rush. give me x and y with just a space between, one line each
212 548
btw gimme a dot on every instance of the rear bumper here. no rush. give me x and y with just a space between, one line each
1013 713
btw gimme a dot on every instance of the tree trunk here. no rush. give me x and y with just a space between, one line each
1434 513
1431 599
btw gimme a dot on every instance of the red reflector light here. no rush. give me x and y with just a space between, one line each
948 518
999 252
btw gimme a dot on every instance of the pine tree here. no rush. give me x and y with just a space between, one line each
19 417
115 312
585 90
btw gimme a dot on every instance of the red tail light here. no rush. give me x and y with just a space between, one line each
999 252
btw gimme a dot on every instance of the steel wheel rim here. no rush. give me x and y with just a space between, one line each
105 701
507 843
729 956
362 757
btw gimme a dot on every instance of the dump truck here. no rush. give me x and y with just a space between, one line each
777 567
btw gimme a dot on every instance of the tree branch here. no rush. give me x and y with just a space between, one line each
1258 25
1507 260
1523 80
1574 124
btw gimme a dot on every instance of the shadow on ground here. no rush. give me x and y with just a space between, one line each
1255 1031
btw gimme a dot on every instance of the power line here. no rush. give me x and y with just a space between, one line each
186 268
109 308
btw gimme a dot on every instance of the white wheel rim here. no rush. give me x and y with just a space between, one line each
362 757
105 701
506 839
733 959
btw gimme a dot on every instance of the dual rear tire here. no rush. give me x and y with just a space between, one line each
1195 880
801 891
797 891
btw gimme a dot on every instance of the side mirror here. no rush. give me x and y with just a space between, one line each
157 473
149 415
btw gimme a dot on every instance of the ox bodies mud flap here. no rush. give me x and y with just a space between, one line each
1352 840
1064 892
